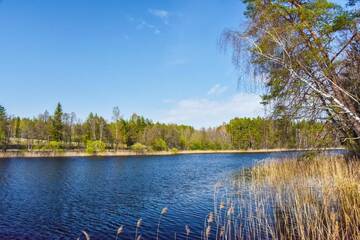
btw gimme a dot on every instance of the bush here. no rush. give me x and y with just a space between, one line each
160 145
138 147
174 150
197 146
54 146
95 147
121 146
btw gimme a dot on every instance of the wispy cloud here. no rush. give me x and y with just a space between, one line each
217 89
145 25
160 13
206 112
141 24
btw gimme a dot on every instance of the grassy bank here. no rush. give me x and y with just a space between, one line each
60 153
292 199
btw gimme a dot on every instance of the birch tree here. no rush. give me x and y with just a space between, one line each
306 52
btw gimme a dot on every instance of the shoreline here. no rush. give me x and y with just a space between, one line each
127 153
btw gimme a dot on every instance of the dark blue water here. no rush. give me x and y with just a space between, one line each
57 198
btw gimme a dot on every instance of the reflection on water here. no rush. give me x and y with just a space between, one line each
58 198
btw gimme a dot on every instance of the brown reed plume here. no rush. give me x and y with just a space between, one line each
164 211
119 231
138 226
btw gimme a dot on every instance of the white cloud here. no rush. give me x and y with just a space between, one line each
209 113
163 14
217 89
160 13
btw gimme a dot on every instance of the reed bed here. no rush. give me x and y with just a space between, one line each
317 198
302 199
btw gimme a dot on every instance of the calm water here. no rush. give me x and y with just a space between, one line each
57 198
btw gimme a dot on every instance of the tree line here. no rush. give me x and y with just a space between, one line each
64 131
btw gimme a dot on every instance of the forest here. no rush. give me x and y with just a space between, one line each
64 131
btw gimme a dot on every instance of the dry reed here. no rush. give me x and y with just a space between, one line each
164 211
138 226
292 199
119 231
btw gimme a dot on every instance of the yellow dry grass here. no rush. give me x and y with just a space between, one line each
315 198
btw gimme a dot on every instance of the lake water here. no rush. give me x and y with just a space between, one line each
57 198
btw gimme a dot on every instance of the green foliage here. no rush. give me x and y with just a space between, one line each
246 133
96 134
57 124
54 146
260 133
135 128
301 50
96 146
2 112
17 131
117 129
138 147
174 150
3 127
96 128
159 145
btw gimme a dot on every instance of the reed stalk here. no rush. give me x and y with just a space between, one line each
164 211
292 199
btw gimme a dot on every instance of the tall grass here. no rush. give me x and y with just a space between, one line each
302 199
292 199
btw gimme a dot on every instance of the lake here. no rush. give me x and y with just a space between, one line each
57 198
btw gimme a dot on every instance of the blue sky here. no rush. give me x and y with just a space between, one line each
160 59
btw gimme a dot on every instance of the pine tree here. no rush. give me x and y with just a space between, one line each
3 123
17 133
2 112
57 124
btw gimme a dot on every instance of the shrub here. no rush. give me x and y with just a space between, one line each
138 147
95 147
160 145
197 146
54 146
174 150
40 147
121 146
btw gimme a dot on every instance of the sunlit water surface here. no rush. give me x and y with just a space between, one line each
57 198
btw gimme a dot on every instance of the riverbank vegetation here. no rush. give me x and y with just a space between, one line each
64 131
308 198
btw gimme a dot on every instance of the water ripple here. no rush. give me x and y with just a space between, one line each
58 198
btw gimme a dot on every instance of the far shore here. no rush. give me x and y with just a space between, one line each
35 154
